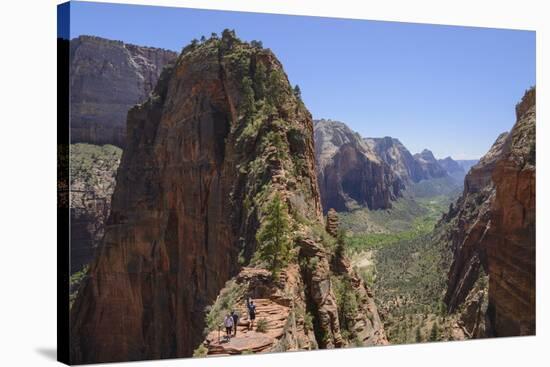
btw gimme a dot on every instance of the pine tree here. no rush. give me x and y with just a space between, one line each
274 235
260 77
297 92
247 97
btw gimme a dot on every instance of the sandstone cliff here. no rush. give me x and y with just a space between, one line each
491 229
220 138
349 171
106 79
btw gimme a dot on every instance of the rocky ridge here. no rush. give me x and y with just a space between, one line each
430 166
221 137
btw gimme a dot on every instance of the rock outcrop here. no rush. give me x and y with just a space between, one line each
332 222
491 229
350 173
93 172
107 78
221 137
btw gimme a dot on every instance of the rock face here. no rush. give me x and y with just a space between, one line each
220 137
400 160
494 231
107 78
452 167
349 171
430 166
93 172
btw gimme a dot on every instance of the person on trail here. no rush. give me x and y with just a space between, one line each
228 323
251 307
235 317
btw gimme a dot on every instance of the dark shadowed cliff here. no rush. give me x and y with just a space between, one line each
221 141
350 172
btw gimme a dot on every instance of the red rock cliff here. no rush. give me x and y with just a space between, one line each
219 137
492 231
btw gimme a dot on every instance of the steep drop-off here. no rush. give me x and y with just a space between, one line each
92 172
107 78
491 229
350 173
221 137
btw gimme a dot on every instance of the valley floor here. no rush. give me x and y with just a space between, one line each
401 258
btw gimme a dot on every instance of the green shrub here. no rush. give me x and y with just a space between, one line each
200 352
261 327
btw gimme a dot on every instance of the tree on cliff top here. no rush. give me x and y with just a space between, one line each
274 236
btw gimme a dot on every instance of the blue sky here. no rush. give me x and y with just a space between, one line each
446 88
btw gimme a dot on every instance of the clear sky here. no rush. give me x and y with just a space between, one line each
446 88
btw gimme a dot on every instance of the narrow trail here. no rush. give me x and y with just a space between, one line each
246 341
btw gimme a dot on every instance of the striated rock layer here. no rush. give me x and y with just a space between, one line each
219 138
492 231
350 173
107 78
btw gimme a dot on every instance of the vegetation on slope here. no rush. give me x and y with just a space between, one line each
401 258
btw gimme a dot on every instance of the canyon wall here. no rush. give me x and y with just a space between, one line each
107 78
350 173
491 229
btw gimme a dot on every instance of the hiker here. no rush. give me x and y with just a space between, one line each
228 323
251 307
235 317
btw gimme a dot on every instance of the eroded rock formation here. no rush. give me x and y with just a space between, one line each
107 78
349 171
492 231
219 138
